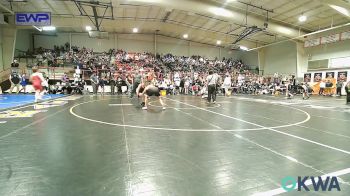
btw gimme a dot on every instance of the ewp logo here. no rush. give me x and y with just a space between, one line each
319 184
37 19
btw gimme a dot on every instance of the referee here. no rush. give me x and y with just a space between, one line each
136 82
212 80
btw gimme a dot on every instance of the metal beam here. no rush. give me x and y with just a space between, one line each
301 36
6 9
96 18
167 14
252 5
51 7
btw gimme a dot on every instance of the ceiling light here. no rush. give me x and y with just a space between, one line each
221 11
185 36
218 42
229 1
49 28
88 28
302 18
135 30
243 48
341 10
285 30
38 28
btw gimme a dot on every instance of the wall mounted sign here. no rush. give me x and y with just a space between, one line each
33 18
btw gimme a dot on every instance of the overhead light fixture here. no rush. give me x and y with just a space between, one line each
285 30
37 28
135 30
302 18
49 28
243 48
185 36
221 11
88 28
341 10
218 42
229 1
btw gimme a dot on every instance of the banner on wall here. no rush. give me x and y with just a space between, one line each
342 76
330 39
327 39
33 18
345 35
312 42
307 77
318 77
329 75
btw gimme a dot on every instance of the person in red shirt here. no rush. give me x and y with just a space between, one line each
37 79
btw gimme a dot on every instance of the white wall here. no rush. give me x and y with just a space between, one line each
250 58
281 58
83 40
230 53
204 50
135 43
47 41
1 53
171 45
334 50
23 39
8 36
302 60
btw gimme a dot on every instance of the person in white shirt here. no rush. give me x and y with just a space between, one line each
305 90
212 80
227 83
322 87
187 84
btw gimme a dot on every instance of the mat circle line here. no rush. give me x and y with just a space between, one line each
71 110
185 108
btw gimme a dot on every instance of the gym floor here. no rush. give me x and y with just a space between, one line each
107 145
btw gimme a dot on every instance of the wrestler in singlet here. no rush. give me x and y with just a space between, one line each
37 80
141 89
152 91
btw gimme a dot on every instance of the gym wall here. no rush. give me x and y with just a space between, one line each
128 42
1 58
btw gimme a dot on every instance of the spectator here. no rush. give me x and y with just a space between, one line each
212 81
94 82
227 84
102 83
347 89
23 83
322 87
15 64
15 80
339 87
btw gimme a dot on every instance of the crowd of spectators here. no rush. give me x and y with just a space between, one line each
178 74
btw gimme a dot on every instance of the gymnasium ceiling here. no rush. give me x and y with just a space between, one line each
205 21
